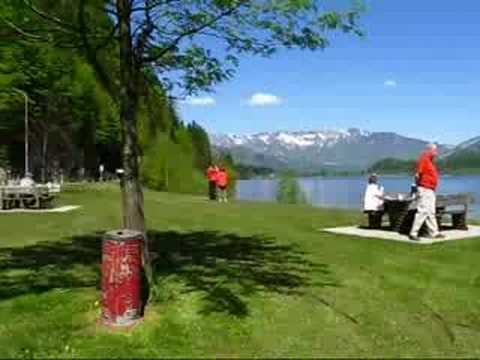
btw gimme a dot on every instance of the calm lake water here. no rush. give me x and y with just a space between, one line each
348 192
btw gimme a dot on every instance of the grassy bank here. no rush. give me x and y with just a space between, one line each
241 279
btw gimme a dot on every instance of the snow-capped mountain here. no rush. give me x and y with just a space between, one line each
296 139
314 150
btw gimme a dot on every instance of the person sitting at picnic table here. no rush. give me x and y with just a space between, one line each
212 172
427 179
27 181
374 201
222 183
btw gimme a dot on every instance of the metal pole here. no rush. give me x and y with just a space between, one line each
26 128
26 136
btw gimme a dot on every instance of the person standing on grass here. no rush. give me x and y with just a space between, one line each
101 170
427 178
222 183
212 172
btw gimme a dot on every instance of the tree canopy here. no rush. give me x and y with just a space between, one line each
74 122
186 45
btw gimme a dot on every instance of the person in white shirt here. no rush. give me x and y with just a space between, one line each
374 201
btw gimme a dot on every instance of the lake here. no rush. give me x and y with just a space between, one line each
347 192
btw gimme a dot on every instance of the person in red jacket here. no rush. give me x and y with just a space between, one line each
427 179
212 173
222 183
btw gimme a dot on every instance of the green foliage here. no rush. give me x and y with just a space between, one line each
174 156
201 143
463 162
168 166
289 190
71 110
4 161
393 166
49 77
466 161
249 171
172 36
332 172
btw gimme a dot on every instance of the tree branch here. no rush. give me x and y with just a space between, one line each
193 31
152 5
148 28
20 31
53 19
108 38
106 9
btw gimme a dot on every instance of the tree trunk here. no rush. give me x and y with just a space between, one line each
44 143
132 195
90 150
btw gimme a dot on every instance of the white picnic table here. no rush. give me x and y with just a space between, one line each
35 196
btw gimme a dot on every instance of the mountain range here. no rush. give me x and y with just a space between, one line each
471 146
309 151
465 157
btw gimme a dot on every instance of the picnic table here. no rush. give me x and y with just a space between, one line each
401 209
31 197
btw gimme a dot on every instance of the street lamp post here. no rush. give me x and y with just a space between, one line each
26 128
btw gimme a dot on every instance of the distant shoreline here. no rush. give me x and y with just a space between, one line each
383 175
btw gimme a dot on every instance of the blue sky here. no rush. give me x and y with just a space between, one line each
416 73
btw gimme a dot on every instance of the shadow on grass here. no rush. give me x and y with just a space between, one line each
226 269
65 264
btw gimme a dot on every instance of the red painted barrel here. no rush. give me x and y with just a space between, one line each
121 277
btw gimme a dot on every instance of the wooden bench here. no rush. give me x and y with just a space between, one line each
461 202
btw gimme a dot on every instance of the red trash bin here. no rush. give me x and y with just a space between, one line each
121 277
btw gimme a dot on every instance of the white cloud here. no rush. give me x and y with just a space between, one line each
200 101
262 99
390 83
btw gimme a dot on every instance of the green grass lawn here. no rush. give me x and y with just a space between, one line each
236 280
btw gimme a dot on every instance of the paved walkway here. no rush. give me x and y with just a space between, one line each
473 232
61 209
